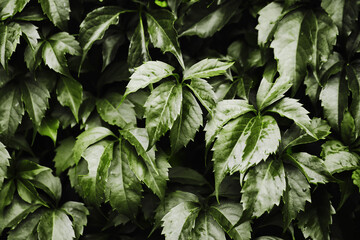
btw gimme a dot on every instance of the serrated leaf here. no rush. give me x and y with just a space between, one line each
49 127
111 112
79 213
295 196
27 191
64 158
57 11
9 8
49 184
180 220
148 73
6 194
138 48
70 94
163 34
85 139
31 33
204 93
35 97
187 123
223 112
55 225
207 228
31 13
94 26
11 110
263 188
9 39
312 167
4 163
227 215
207 68
123 189
27 229
161 110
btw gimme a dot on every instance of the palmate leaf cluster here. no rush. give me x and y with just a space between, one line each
179 119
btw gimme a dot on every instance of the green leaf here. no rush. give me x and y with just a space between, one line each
111 112
123 189
70 94
338 158
148 73
9 8
27 169
162 108
4 163
204 93
94 26
49 127
263 188
64 156
348 128
296 195
227 215
57 11
85 139
187 176
353 74
312 167
11 110
207 228
31 13
6 194
28 192
207 68
315 220
55 225
163 34
35 97
49 184
187 124
79 213
214 21
138 48
223 112
180 220
30 32
356 177
27 229
9 39
110 47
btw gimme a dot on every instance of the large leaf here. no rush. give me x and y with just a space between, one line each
9 39
147 73
11 110
58 11
187 124
4 163
9 8
206 68
27 229
138 48
79 213
70 94
207 228
162 108
263 188
55 225
204 93
163 34
123 189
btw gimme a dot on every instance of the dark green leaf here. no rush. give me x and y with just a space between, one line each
79 213
49 184
204 93
9 8
109 48
10 38
55 225
207 228
57 11
49 127
6 194
30 32
64 156
185 175
4 163
138 48
206 68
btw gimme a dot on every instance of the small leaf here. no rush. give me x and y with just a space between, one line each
9 8
163 34
356 177
9 39
162 108
4 163
70 94
57 11
263 188
49 127
204 93
206 68
148 73
64 158
55 225
79 213
31 33
138 48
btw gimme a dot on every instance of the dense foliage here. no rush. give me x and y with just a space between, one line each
179 119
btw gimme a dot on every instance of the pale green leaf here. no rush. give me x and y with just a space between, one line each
49 127
204 93
162 108
207 68
55 225
187 124
9 8
148 73
9 39
163 34
207 228
27 229
79 213
64 158
30 32
138 49
264 186
58 11
4 163
70 94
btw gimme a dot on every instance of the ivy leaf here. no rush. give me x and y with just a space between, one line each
180 220
57 11
35 97
187 124
85 139
30 32
9 8
49 127
148 73
163 34
79 213
227 215
4 163
207 68
64 158
204 93
214 21
123 189
70 94
11 110
26 229
10 38
111 112
207 228
296 195
263 188
55 225
161 110
138 48
94 26
223 112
